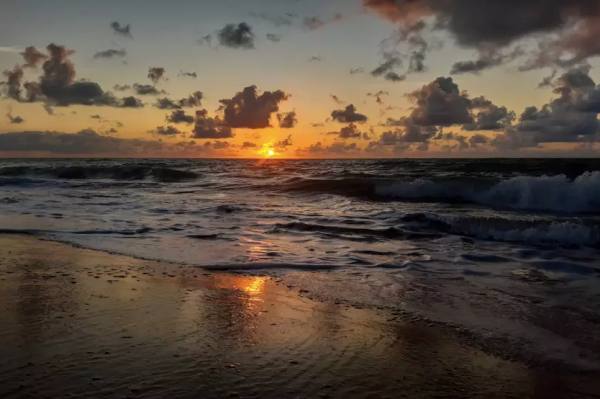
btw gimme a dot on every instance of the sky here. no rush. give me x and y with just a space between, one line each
299 78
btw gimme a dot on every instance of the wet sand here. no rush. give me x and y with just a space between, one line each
80 323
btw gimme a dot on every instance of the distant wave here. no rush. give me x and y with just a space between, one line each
535 193
18 174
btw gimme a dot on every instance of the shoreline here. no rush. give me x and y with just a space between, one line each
91 323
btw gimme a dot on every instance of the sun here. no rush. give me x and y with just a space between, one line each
267 151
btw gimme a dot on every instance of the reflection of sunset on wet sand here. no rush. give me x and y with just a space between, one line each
72 317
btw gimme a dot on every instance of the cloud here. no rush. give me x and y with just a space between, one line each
119 87
287 120
349 132
248 144
378 96
314 23
315 58
273 37
193 100
237 36
336 99
14 119
33 57
354 71
110 53
348 115
185 74
249 110
14 79
146 90
179 116
206 39
131 102
489 116
440 103
567 28
487 60
571 117
155 74
122 30
281 145
83 142
210 128
334 149
57 85
166 131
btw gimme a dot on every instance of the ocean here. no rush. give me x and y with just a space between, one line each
507 249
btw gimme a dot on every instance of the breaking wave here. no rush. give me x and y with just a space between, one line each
556 193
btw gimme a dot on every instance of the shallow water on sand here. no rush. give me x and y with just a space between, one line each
506 249
80 323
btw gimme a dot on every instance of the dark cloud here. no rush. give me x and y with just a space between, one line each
118 87
390 62
206 39
179 116
437 105
440 103
315 58
478 139
570 27
281 145
193 100
406 46
336 99
313 23
57 85
83 142
185 74
247 109
210 128
131 102
14 119
487 60
287 120
334 149
237 36
14 79
273 37
349 132
488 116
248 144
33 57
348 115
123 30
166 131
571 117
354 71
378 96
146 90
155 74
111 53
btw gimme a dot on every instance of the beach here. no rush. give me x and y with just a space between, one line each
83 323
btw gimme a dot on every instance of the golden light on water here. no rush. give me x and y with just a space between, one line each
251 285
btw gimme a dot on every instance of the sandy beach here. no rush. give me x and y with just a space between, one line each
82 323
